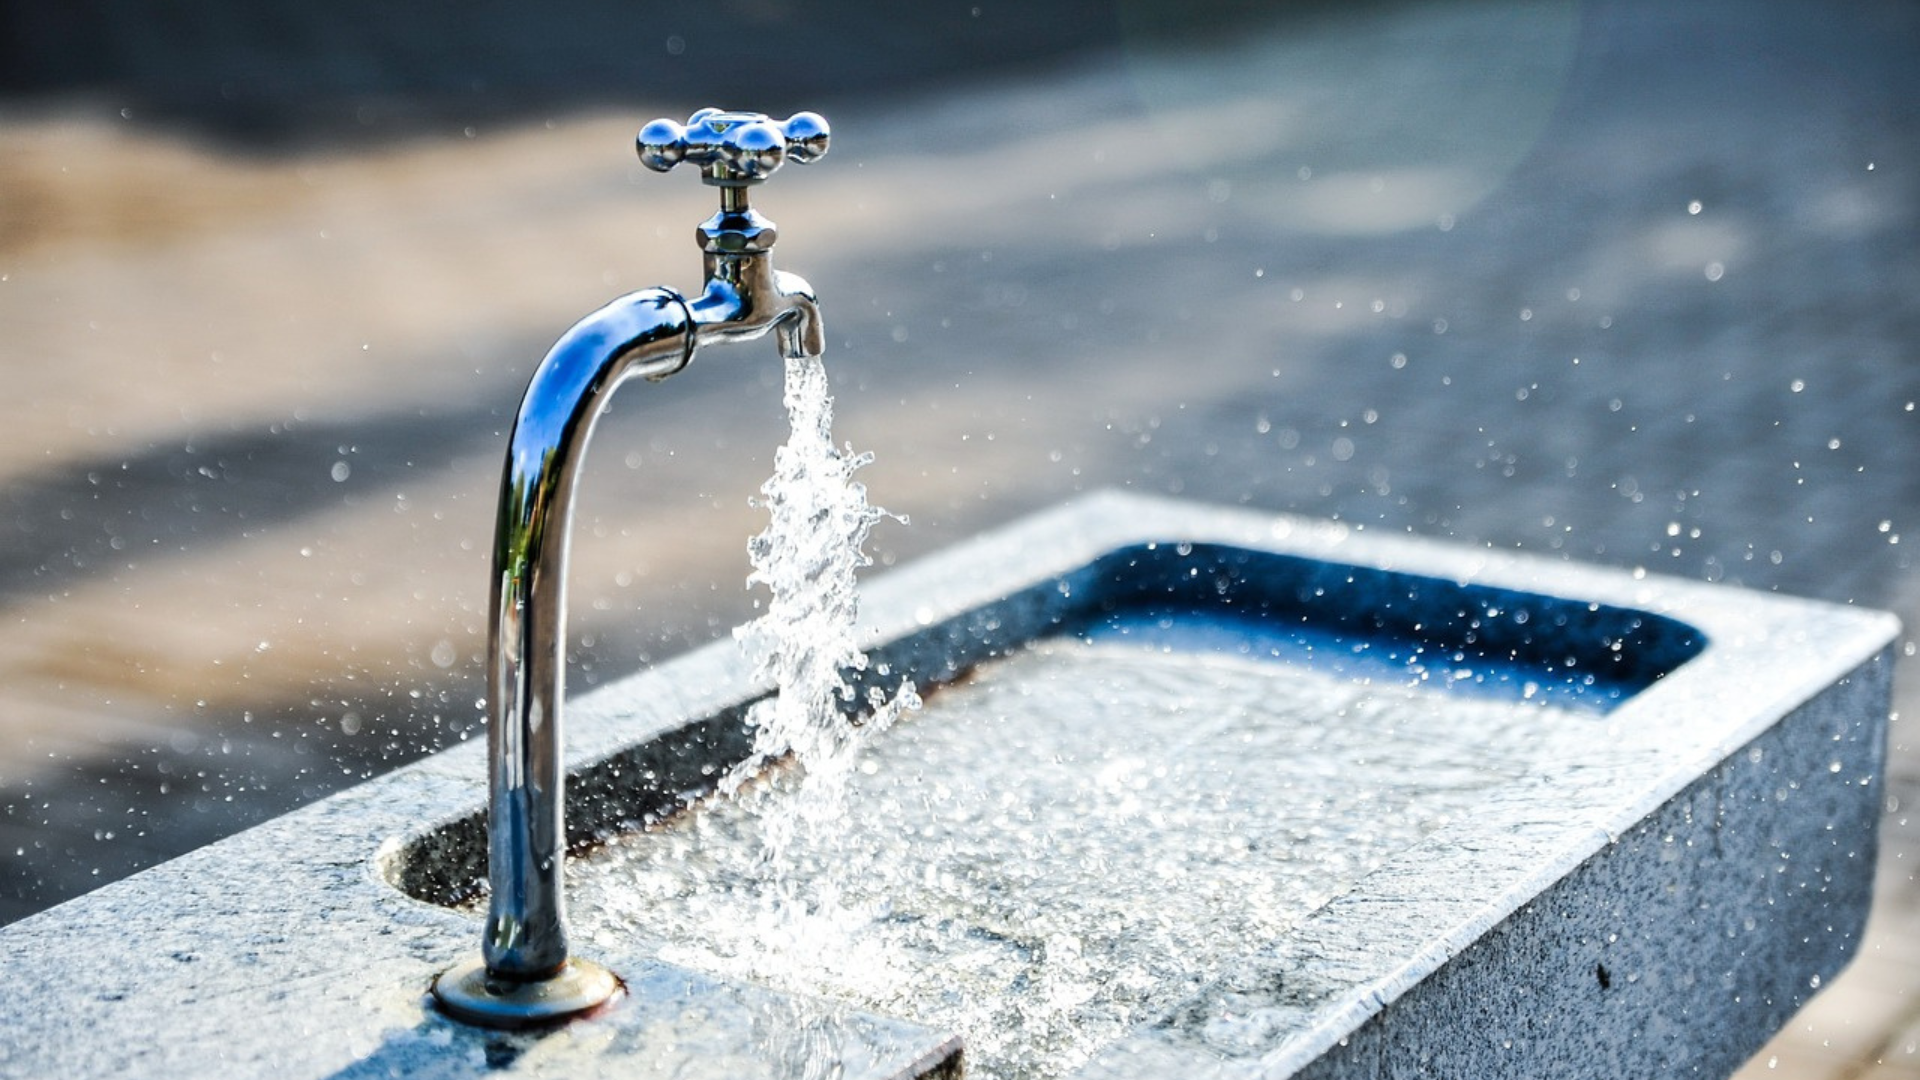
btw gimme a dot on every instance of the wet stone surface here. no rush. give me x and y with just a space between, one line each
1071 842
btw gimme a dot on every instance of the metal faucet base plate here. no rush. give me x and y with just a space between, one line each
469 993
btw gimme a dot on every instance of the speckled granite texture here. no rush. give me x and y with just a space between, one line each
1656 908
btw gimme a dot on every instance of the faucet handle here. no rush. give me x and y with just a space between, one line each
733 149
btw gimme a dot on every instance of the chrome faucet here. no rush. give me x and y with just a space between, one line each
524 975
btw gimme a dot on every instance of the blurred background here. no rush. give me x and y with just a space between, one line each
1620 281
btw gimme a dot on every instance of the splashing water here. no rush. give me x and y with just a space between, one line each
1074 838
806 643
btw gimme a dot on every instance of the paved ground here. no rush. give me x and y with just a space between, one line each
1623 282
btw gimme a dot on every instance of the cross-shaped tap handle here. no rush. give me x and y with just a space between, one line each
733 149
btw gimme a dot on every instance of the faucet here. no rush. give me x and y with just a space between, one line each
524 976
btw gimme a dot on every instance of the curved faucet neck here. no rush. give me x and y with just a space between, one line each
653 333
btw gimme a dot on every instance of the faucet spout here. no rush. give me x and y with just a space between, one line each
525 975
745 296
786 306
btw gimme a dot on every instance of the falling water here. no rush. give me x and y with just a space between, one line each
805 644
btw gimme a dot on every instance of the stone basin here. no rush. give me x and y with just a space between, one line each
1221 793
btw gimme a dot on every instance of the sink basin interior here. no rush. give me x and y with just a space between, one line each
1123 778
1376 625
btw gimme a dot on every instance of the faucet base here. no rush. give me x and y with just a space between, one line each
468 993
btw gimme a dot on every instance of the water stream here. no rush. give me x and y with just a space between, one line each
805 643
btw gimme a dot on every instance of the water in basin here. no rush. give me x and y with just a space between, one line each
1075 836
